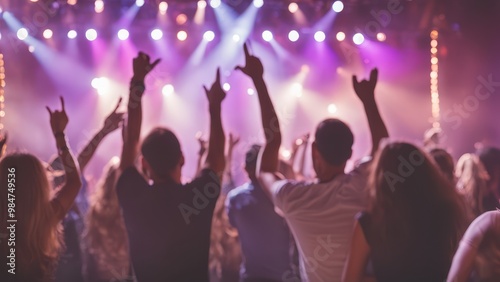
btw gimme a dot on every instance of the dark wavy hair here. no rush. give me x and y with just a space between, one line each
412 201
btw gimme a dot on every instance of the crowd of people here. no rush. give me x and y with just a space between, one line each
406 212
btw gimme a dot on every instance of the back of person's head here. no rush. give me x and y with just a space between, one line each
251 159
105 236
472 182
333 141
38 240
445 162
411 196
162 151
490 157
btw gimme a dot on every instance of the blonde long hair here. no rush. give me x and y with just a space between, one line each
38 231
472 183
105 237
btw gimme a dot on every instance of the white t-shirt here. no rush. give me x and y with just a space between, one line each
321 217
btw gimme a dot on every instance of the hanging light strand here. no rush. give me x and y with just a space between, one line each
434 80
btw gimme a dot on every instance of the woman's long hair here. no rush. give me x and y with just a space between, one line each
38 231
472 183
410 197
105 237
225 251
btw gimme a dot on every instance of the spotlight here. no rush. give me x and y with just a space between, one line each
297 89
123 34
72 2
226 86
202 4
162 7
167 90
99 6
47 34
31 48
293 7
101 84
214 3
72 34
22 33
337 6
293 35
267 35
181 19
319 36
285 154
236 38
139 3
209 35
258 3
156 34
381 36
0 36
91 34
182 35
332 108
340 36
358 38
250 91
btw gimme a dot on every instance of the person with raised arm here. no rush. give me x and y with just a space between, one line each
3 144
37 230
264 236
321 213
70 267
168 223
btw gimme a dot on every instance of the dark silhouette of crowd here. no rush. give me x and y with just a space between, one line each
405 212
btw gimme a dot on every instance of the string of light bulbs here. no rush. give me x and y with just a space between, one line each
434 80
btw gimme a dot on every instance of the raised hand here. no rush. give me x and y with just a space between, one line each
58 119
233 140
142 66
3 140
253 66
202 142
304 139
113 120
366 89
215 94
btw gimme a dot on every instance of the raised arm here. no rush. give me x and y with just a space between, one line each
111 123
269 159
65 197
142 66
215 157
228 171
303 141
3 144
270 123
201 152
365 90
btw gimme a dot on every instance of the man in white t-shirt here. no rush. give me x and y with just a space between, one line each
321 214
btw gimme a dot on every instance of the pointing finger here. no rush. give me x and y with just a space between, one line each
374 75
62 103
